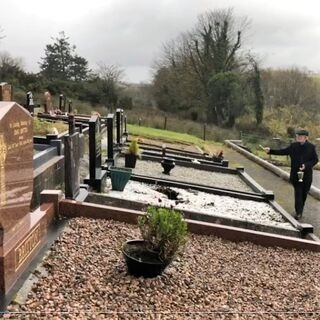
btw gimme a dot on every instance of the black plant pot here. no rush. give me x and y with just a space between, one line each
141 262
167 164
217 159
130 160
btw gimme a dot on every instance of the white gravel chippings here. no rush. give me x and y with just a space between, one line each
217 205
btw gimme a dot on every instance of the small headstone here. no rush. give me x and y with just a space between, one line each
30 102
5 92
47 102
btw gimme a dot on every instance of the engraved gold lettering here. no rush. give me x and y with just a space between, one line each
3 155
24 250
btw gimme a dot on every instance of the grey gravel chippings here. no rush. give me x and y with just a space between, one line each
191 175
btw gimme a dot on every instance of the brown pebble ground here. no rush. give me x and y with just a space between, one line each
213 279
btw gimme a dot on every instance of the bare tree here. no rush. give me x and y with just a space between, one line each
112 72
190 61
108 77
10 67
292 86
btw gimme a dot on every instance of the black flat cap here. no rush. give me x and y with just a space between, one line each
302 132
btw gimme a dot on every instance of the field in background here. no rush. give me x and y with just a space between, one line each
42 127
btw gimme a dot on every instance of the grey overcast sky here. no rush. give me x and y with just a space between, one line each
130 32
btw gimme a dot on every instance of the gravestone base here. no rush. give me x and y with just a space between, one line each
23 244
108 163
83 194
98 183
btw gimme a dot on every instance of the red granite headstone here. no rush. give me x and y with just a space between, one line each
5 92
22 232
16 163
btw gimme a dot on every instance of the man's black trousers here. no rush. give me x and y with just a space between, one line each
301 190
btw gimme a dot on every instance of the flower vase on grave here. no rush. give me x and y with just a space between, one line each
167 164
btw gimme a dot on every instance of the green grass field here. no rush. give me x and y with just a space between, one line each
165 135
176 137
42 127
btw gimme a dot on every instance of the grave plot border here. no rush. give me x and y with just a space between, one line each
104 199
72 209
223 163
152 147
189 164
47 152
209 189
261 195
246 178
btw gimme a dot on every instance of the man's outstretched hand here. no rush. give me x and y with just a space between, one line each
265 149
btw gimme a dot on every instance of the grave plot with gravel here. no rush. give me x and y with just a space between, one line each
202 202
213 279
189 175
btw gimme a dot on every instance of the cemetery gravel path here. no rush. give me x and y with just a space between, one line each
283 191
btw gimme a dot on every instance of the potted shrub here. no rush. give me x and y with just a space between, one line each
164 232
119 177
132 154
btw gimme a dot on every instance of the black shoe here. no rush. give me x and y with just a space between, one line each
298 216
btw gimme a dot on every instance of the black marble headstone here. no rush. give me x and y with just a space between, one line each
121 124
72 124
96 174
70 110
110 137
72 165
125 126
61 103
118 115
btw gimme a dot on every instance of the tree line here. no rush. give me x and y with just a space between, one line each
205 74
62 70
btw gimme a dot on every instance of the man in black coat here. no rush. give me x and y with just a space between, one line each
303 157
